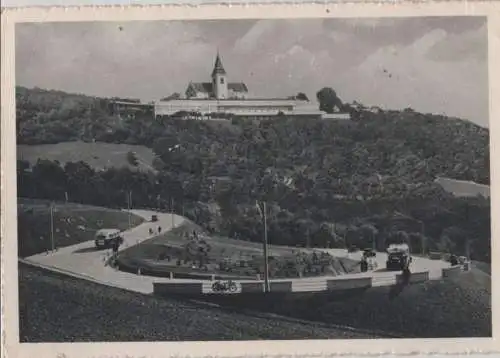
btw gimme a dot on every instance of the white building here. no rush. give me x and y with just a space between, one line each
220 98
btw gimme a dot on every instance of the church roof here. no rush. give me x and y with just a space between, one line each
218 68
237 87
204 87
207 87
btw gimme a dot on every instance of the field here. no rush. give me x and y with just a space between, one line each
98 155
51 304
73 223
462 188
176 252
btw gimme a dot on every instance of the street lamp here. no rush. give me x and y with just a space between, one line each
263 213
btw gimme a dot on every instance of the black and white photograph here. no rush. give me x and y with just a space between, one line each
253 179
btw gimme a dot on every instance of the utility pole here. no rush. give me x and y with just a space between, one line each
52 226
172 210
422 229
129 204
263 212
266 262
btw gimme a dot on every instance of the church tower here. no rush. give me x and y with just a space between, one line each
219 79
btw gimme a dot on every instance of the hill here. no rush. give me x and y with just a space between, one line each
109 314
362 182
98 155
113 315
452 307
73 224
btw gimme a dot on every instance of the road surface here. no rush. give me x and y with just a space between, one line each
84 261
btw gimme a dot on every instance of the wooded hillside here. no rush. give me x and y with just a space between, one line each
326 182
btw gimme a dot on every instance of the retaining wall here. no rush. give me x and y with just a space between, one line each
162 288
281 286
252 287
150 270
435 255
415 277
452 271
348 284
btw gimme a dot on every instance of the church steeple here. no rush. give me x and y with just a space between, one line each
219 79
218 68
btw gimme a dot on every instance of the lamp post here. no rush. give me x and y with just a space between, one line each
52 226
172 211
129 207
263 213
422 231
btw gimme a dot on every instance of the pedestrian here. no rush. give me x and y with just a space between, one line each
406 275
364 265
150 231
159 229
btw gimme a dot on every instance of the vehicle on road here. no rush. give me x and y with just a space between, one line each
398 257
154 218
228 286
107 238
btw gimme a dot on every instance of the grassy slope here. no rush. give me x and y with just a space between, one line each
461 188
50 305
457 307
97 155
73 224
221 248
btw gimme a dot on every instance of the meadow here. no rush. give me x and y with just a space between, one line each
98 155
73 224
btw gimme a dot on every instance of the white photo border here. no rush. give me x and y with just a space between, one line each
310 348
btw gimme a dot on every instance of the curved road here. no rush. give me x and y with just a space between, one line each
84 261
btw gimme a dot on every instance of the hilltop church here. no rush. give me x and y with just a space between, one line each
220 98
219 88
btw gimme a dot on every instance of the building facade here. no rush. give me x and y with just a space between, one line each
221 98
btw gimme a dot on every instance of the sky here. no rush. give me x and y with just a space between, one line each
433 64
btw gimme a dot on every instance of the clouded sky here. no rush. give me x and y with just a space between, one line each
436 65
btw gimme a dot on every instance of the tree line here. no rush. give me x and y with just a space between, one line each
427 220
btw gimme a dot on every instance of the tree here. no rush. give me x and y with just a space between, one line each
328 100
301 96
173 96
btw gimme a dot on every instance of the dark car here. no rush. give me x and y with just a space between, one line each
154 218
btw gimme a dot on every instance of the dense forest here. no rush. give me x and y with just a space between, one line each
366 181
